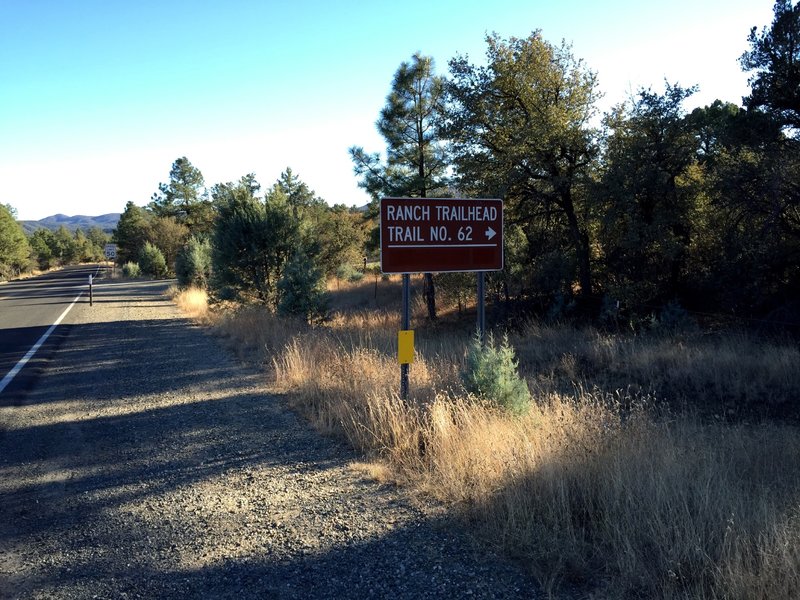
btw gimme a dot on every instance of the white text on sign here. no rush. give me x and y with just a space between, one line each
443 213
437 233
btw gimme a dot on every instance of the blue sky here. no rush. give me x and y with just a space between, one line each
98 98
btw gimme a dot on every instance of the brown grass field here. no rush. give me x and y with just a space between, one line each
636 474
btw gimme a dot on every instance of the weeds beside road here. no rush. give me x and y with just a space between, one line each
599 484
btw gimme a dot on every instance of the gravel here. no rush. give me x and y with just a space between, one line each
147 463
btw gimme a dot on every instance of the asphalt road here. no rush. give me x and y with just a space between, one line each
27 310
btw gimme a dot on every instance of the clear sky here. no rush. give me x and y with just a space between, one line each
98 98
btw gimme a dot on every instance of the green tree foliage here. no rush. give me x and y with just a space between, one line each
775 89
14 248
514 280
457 287
748 260
520 130
169 236
416 163
131 233
252 242
329 236
98 237
65 249
651 192
86 251
723 129
300 198
184 198
767 179
193 263
492 373
301 290
42 243
339 235
152 262
131 270
774 56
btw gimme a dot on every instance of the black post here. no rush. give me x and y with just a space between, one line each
405 326
482 305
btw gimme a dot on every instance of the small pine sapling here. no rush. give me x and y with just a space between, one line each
491 373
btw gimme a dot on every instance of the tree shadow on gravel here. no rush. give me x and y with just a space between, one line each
115 360
164 414
410 563
134 413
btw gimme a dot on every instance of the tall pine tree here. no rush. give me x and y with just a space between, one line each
415 164
184 198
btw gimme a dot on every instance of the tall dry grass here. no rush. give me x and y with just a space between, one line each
192 301
734 373
598 486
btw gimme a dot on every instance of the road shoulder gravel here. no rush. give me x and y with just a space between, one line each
146 462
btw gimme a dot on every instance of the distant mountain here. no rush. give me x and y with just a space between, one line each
105 222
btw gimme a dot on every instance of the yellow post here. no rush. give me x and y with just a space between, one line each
405 347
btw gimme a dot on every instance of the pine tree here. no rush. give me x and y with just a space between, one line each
184 198
151 261
774 58
193 263
302 290
416 164
131 233
252 242
14 248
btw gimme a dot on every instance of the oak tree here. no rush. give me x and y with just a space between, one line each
520 127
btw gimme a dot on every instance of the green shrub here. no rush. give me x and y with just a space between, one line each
193 263
131 269
302 290
152 261
674 319
491 373
349 273
251 243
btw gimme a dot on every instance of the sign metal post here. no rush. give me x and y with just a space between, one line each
405 326
482 306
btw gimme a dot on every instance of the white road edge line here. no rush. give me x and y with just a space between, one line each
24 360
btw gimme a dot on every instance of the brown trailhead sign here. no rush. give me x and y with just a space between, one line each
423 235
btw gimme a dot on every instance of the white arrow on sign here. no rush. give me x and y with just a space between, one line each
490 233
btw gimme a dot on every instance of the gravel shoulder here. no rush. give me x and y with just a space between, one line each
146 462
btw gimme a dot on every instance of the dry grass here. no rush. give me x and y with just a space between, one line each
594 487
192 301
732 373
